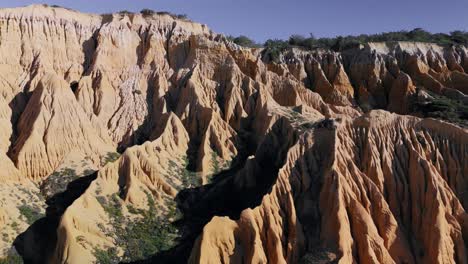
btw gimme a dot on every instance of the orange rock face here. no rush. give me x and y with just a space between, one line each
322 157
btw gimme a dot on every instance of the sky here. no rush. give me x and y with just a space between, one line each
270 19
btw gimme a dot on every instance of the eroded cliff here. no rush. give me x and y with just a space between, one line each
179 146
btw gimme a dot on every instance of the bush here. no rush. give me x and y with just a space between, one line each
190 179
110 157
297 40
15 226
11 259
175 16
31 214
139 237
244 41
125 12
113 207
182 16
444 108
345 42
458 37
57 182
108 256
147 12
274 49
161 13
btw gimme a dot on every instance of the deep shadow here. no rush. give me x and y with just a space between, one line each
37 244
17 106
106 18
74 86
89 47
229 195
307 177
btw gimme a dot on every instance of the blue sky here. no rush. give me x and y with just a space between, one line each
263 19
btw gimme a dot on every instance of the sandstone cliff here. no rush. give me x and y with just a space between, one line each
153 139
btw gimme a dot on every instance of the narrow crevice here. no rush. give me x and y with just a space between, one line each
226 197
168 43
17 106
37 244
89 48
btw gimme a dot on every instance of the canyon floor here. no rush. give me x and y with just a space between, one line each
149 138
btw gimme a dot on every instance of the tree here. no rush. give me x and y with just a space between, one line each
459 37
419 34
244 41
147 12
297 40
274 48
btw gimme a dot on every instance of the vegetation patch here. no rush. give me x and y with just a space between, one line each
274 47
147 12
11 259
190 179
215 162
344 42
244 41
106 256
15 226
442 107
140 237
57 182
31 214
217 165
125 12
296 117
175 16
81 240
110 157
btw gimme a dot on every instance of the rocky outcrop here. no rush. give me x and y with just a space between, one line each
372 73
399 97
153 169
51 126
130 119
369 190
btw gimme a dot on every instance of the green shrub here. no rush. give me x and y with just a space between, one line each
71 173
113 207
444 108
215 162
297 40
139 237
182 16
125 12
190 179
80 239
244 41
274 48
11 259
15 226
339 43
175 16
147 12
31 214
110 157
88 172
57 182
164 13
108 256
